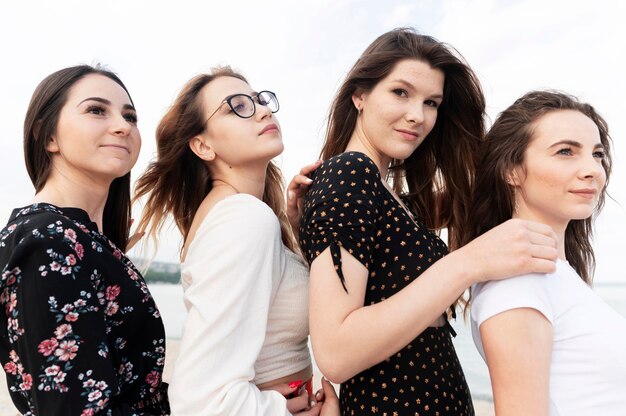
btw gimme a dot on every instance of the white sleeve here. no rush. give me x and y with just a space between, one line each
525 291
232 262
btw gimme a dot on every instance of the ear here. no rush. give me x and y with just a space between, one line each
357 100
53 145
202 148
514 177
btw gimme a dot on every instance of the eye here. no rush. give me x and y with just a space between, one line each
96 110
131 118
432 103
566 151
400 92
599 154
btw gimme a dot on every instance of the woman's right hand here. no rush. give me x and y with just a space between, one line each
300 405
295 194
512 248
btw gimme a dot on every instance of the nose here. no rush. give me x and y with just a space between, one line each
592 168
262 111
415 112
121 126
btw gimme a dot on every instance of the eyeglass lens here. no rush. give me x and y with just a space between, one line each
244 106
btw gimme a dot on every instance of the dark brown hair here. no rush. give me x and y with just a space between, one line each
42 118
437 178
177 181
504 149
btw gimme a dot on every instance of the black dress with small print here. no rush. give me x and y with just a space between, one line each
80 333
348 206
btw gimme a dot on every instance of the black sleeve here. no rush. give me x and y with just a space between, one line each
340 210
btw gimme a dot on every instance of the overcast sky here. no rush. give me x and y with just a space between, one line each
302 51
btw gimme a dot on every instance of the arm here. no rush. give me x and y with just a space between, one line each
347 336
59 343
231 263
518 348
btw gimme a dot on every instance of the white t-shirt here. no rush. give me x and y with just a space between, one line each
588 367
247 319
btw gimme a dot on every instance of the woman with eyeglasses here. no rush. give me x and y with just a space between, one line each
398 167
244 346
80 333
552 345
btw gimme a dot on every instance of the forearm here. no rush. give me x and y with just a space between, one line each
370 334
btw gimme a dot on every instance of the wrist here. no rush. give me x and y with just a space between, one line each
464 266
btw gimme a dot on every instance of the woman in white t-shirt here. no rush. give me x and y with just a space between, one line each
553 347
244 347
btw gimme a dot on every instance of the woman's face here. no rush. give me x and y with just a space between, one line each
562 174
234 140
96 136
400 111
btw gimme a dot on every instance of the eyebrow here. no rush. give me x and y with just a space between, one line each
574 143
106 102
409 85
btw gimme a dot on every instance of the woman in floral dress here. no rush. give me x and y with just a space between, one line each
80 333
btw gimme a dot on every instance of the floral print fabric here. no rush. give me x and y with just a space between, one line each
79 331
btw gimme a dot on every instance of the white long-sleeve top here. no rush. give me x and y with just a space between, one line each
231 276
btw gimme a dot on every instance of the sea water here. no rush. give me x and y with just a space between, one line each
169 300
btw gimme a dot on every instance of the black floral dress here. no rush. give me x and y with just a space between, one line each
80 333
348 206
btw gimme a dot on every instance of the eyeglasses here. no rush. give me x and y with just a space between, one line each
243 105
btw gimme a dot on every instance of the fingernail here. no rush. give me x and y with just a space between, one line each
312 403
295 384
309 180
290 194
318 396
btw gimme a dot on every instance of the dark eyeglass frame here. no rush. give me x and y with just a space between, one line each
228 100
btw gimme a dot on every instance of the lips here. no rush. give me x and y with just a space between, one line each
270 128
408 134
587 193
117 146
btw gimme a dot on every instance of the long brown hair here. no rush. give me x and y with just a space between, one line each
177 181
437 178
504 149
40 123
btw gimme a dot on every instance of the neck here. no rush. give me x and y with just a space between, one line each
248 180
360 143
63 192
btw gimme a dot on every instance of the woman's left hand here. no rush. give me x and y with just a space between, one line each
327 397
295 195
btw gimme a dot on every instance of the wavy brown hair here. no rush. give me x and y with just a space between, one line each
177 181
504 149
40 123
437 178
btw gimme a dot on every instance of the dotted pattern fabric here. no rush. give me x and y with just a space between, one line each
348 206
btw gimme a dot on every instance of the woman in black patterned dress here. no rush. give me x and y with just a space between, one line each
399 163
80 333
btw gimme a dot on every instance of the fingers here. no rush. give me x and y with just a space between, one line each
540 228
299 405
298 187
300 183
329 390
